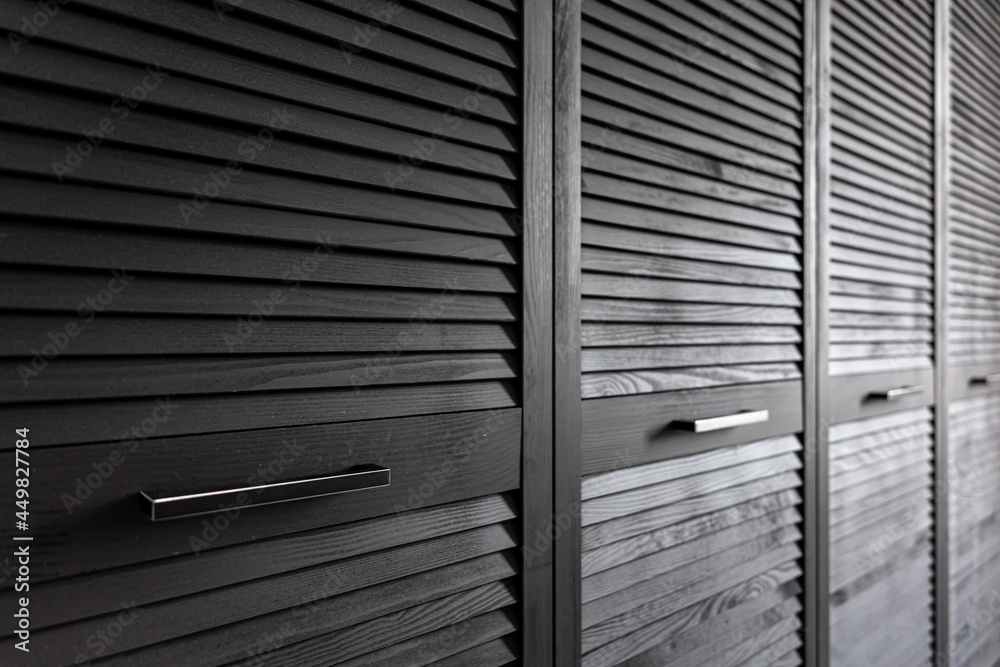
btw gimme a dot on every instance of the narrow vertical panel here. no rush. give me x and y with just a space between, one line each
971 480
820 654
537 584
811 333
942 120
567 415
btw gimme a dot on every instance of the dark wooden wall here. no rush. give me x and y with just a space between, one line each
523 253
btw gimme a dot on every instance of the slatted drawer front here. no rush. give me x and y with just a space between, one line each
881 562
692 195
881 210
974 538
437 584
693 561
285 221
974 201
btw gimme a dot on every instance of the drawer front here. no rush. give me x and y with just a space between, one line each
859 396
631 430
968 381
693 561
86 498
881 525
433 584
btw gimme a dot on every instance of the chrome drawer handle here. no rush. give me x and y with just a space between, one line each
898 392
160 507
707 424
986 379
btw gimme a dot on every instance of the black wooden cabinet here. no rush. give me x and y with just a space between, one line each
691 320
671 324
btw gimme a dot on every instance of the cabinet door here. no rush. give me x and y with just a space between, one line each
691 223
881 214
880 253
973 477
881 557
259 242
692 173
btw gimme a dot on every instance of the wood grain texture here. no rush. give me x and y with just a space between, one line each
692 195
276 244
880 198
264 241
538 591
422 583
98 520
622 431
971 486
691 561
881 557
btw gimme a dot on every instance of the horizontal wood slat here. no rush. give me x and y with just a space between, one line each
881 561
692 561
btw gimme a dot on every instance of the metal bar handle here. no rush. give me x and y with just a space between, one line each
986 379
160 507
898 392
707 424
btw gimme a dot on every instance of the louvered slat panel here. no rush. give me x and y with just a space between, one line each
974 202
973 475
881 563
973 486
881 207
692 561
361 243
304 239
692 196
383 591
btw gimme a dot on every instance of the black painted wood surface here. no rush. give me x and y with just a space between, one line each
692 197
